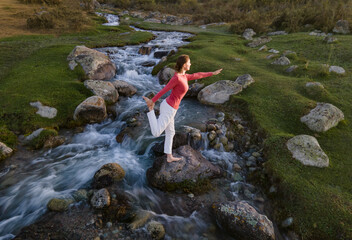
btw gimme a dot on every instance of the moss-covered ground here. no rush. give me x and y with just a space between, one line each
319 200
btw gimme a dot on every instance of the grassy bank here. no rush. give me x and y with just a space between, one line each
34 68
319 200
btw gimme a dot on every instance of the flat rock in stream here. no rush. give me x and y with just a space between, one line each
192 167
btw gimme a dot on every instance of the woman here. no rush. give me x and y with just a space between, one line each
178 85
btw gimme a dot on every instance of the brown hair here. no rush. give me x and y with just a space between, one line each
181 60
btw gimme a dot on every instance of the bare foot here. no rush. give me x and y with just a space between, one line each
170 158
149 102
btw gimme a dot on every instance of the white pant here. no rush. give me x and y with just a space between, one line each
164 122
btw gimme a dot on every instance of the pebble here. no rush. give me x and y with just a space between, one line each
272 189
113 196
115 231
246 155
221 119
191 195
237 177
287 222
259 199
256 154
250 164
236 167
252 159
108 224
220 114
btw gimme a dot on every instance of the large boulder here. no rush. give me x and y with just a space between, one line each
248 34
259 41
91 110
156 230
107 175
103 89
306 149
145 50
242 221
124 88
165 75
191 168
244 80
96 65
160 54
5 151
342 26
323 117
194 89
219 92
179 140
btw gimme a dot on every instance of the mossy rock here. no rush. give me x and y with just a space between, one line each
59 205
39 141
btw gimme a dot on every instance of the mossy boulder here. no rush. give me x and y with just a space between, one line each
107 175
59 205
37 141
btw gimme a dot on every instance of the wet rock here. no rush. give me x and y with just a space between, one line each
219 92
246 154
229 147
259 41
108 174
337 70
236 167
323 117
5 151
248 34
287 222
342 26
192 167
291 68
156 230
148 64
100 199
194 89
244 80
237 177
256 154
179 140
124 88
91 110
54 141
80 195
160 54
95 64
282 61
59 205
165 75
120 208
103 89
242 220
145 50
211 135
140 219
306 149
44 111
223 140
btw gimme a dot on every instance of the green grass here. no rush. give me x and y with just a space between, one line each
319 200
34 68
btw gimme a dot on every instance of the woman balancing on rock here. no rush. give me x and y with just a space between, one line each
178 85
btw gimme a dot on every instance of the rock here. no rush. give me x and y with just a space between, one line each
100 199
306 149
96 65
244 80
54 141
256 154
337 70
124 88
291 68
330 39
103 89
314 84
192 167
287 222
243 221
91 110
80 195
342 27
263 48
108 174
33 135
148 64
277 33
211 135
248 34
5 151
160 54
145 50
152 20
259 41
180 139
194 89
219 92
271 56
156 230
236 167
318 33
59 205
44 111
165 75
273 51
140 219
289 53
237 177
323 117
282 61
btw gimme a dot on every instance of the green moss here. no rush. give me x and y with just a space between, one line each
200 186
39 141
8 137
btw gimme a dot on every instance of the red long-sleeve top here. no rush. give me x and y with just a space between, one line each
179 85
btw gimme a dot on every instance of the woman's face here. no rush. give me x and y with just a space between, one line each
187 65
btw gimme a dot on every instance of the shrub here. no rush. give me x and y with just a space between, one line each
42 19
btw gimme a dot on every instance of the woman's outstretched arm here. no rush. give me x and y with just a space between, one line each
199 75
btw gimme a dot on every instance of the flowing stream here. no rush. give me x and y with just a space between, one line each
59 172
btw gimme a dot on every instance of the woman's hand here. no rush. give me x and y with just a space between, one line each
149 102
217 72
